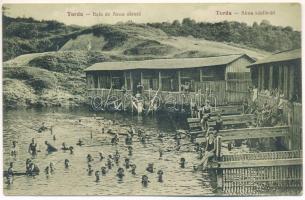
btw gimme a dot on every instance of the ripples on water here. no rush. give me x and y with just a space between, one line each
75 180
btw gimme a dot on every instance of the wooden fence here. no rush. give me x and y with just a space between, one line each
261 173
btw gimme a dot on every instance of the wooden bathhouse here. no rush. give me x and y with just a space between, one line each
224 78
278 80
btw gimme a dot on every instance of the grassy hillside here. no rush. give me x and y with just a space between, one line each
56 78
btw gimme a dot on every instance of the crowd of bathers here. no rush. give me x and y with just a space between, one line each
123 165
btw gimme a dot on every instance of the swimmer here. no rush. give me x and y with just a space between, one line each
140 132
160 175
109 163
115 139
182 162
67 163
128 140
50 148
27 165
14 149
133 169
117 157
89 170
33 169
103 170
120 172
89 158
10 174
64 147
145 180
150 167
130 150
47 170
160 153
127 163
52 168
143 139
131 131
101 156
42 128
80 142
71 150
97 176
33 148
54 138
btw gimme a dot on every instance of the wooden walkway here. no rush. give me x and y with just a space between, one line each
259 132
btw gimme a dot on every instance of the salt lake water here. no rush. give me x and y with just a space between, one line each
20 125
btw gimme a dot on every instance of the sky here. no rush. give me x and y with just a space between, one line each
279 14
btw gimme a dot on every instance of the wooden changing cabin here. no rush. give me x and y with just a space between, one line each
278 83
223 78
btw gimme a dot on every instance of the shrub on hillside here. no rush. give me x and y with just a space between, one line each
39 79
67 62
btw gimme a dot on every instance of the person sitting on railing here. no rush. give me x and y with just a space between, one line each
210 148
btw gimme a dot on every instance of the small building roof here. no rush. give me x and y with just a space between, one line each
173 63
280 57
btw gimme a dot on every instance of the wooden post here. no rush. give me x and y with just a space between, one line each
141 78
160 80
88 81
259 81
263 77
131 81
291 82
270 77
200 71
110 80
179 80
98 81
280 78
219 178
125 80
285 81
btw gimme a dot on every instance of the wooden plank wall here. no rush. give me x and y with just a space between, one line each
218 89
237 90
296 126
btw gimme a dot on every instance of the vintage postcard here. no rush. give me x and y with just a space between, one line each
179 99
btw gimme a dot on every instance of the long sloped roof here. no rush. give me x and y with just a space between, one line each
280 57
176 63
